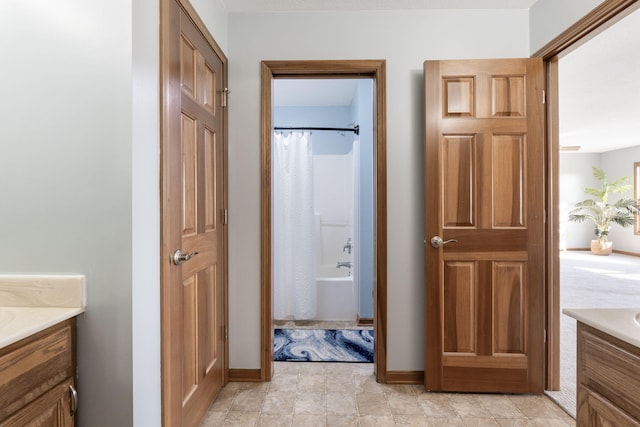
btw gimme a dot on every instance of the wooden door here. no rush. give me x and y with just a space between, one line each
193 220
484 188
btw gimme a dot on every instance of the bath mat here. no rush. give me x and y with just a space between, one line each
323 345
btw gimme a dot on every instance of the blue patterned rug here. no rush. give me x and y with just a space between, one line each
323 345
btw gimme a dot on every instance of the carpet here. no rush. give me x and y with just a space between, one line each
590 281
323 345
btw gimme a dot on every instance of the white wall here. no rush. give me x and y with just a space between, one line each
79 131
575 174
214 15
65 169
405 40
549 18
145 218
616 164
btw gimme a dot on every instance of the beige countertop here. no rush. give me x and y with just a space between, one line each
32 303
618 322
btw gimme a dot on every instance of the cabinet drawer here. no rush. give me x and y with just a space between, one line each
609 367
31 367
594 410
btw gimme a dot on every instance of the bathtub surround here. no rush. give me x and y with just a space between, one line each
336 298
293 227
343 198
323 345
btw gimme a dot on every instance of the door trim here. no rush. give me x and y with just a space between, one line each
169 391
375 69
592 24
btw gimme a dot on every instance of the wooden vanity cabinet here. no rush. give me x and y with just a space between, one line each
37 379
608 372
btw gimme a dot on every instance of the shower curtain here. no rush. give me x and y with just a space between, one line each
294 241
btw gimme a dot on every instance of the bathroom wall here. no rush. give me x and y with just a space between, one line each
405 39
79 130
362 111
549 18
66 174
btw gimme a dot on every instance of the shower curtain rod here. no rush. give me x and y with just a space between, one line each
355 129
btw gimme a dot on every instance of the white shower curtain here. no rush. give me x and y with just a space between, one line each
294 241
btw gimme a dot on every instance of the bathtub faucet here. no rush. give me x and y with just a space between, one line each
346 264
348 246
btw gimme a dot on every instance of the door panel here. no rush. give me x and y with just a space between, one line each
484 174
193 170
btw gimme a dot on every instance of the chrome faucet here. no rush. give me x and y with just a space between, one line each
346 264
348 246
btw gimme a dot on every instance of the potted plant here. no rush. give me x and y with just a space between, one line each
602 213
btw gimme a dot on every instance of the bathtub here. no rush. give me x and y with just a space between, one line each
336 294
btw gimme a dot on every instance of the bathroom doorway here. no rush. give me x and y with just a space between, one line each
322 219
347 222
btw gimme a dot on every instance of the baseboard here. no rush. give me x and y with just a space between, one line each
405 377
615 251
245 375
365 321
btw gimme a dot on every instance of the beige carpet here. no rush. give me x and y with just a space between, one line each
590 281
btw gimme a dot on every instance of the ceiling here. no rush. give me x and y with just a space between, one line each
600 90
300 5
599 81
313 92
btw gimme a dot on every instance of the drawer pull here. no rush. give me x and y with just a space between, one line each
73 394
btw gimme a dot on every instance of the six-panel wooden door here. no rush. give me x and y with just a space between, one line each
193 305
484 191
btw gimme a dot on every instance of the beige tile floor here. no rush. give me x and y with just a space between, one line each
346 394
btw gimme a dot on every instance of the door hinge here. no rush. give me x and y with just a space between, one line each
225 217
225 96
226 333
544 97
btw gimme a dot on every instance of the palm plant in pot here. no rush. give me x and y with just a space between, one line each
602 213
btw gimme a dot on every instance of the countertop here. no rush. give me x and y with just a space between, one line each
618 322
32 303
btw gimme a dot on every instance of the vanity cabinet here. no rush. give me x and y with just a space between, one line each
608 374
37 379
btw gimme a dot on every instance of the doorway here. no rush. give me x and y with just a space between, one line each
374 72
595 137
322 198
599 19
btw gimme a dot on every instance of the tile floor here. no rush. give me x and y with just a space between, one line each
318 324
346 394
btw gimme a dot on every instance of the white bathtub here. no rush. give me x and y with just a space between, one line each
336 294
